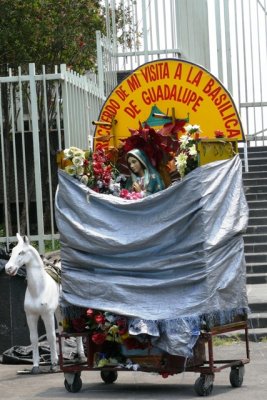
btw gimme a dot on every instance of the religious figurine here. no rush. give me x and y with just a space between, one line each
144 178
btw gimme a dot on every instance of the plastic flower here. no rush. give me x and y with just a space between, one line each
186 158
192 150
100 319
184 140
84 179
125 194
190 129
98 337
78 161
93 169
79 170
181 163
73 151
113 330
90 313
71 170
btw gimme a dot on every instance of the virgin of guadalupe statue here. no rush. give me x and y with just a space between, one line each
144 178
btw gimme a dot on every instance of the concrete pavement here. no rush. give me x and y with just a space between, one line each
142 386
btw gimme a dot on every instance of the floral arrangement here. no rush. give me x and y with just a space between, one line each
105 326
186 158
159 146
166 149
108 331
96 170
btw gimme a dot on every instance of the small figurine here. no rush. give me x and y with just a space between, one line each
144 179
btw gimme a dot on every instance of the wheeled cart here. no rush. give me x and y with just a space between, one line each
165 364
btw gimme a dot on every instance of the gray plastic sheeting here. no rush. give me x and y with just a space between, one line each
175 257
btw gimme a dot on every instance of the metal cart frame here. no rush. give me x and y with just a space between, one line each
207 367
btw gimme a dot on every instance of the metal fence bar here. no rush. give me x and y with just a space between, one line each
58 114
3 156
228 46
36 156
259 73
13 130
49 177
21 114
66 113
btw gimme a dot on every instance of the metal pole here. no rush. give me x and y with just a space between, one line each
36 156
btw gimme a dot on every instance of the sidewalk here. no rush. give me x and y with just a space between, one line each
142 386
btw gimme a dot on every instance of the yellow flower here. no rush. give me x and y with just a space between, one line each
113 330
70 169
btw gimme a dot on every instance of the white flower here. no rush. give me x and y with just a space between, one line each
69 153
196 128
78 161
188 128
84 179
110 317
70 169
114 187
184 140
192 129
181 163
192 150
79 153
79 170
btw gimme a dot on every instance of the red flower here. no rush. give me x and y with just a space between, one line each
100 319
156 144
98 338
219 134
124 193
97 167
122 325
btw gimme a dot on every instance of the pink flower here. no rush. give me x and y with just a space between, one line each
125 194
90 313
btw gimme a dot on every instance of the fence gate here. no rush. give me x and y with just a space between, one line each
39 115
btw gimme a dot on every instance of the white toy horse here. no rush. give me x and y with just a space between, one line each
41 299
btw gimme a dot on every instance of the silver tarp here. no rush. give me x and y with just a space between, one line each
169 261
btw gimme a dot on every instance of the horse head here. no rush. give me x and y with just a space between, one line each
19 256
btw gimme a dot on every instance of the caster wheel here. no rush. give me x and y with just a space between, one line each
75 386
237 375
204 385
109 376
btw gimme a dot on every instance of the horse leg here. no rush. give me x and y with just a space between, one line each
32 321
49 321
